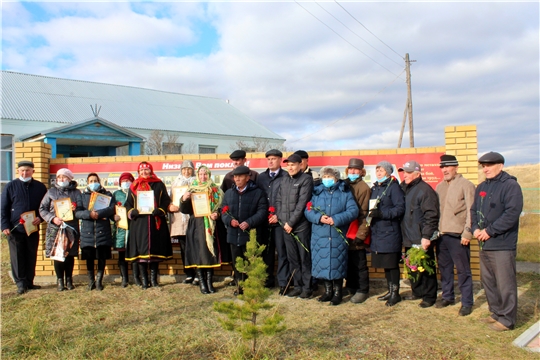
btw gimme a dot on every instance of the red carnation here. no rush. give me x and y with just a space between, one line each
119 203
21 221
482 194
272 209
225 209
309 205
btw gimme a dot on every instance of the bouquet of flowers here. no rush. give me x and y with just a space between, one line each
417 261
317 208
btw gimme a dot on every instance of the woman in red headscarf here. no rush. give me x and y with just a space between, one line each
149 238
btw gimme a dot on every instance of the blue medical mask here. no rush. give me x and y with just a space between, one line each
125 185
328 182
93 186
383 179
62 183
23 179
353 177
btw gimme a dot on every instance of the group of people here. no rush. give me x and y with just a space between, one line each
319 225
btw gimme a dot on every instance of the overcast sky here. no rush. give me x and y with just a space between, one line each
323 75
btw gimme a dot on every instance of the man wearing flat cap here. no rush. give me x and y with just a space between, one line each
19 196
305 167
246 208
456 196
238 158
269 181
294 193
357 269
419 228
495 213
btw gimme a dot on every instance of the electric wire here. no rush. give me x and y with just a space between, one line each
349 113
369 30
348 42
361 38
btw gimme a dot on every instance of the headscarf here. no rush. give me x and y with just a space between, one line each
142 184
126 176
215 195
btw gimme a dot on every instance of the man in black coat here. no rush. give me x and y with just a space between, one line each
269 181
244 208
495 213
19 196
294 193
419 228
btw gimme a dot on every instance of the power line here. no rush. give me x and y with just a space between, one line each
368 30
350 112
348 42
395 62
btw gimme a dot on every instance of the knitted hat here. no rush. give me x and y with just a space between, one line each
386 166
126 176
448 160
65 172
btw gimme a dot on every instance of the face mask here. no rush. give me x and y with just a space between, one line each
328 182
382 180
25 179
62 183
93 186
353 177
125 185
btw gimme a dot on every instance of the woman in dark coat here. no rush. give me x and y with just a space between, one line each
149 238
203 251
384 220
332 207
96 236
64 187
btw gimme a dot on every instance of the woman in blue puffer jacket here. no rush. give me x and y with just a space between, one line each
332 207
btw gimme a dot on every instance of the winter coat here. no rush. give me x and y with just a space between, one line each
96 233
250 206
270 185
146 240
498 211
421 219
386 231
329 251
456 198
179 220
19 197
361 193
120 235
46 211
294 193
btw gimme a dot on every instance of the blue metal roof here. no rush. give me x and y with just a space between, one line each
42 98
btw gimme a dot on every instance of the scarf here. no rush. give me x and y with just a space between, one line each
143 184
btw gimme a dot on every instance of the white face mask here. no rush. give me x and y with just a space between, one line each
25 179
62 183
125 185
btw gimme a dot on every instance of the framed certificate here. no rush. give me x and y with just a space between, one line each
62 209
200 203
177 193
123 222
145 202
99 201
28 218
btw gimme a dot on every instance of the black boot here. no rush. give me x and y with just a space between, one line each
144 275
387 295
124 273
338 292
328 291
394 295
69 283
91 281
154 270
99 280
210 280
136 274
202 281
60 285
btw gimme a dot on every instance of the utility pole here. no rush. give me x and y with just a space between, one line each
408 106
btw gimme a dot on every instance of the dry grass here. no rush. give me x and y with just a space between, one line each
177 322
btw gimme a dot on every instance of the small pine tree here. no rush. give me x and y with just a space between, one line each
242 317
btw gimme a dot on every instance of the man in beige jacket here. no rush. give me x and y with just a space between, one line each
456 196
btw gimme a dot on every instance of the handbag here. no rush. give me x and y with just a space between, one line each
353 230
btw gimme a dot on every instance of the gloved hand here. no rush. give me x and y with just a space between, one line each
134 214
158 212
376 213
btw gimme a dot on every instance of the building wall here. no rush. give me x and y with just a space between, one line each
460 141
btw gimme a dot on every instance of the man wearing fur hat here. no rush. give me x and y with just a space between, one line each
495 213
456 195
357 270
19 196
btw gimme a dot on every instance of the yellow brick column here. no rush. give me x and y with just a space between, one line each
462 142
40 154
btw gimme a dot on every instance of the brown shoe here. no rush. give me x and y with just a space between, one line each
497 326
488 320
